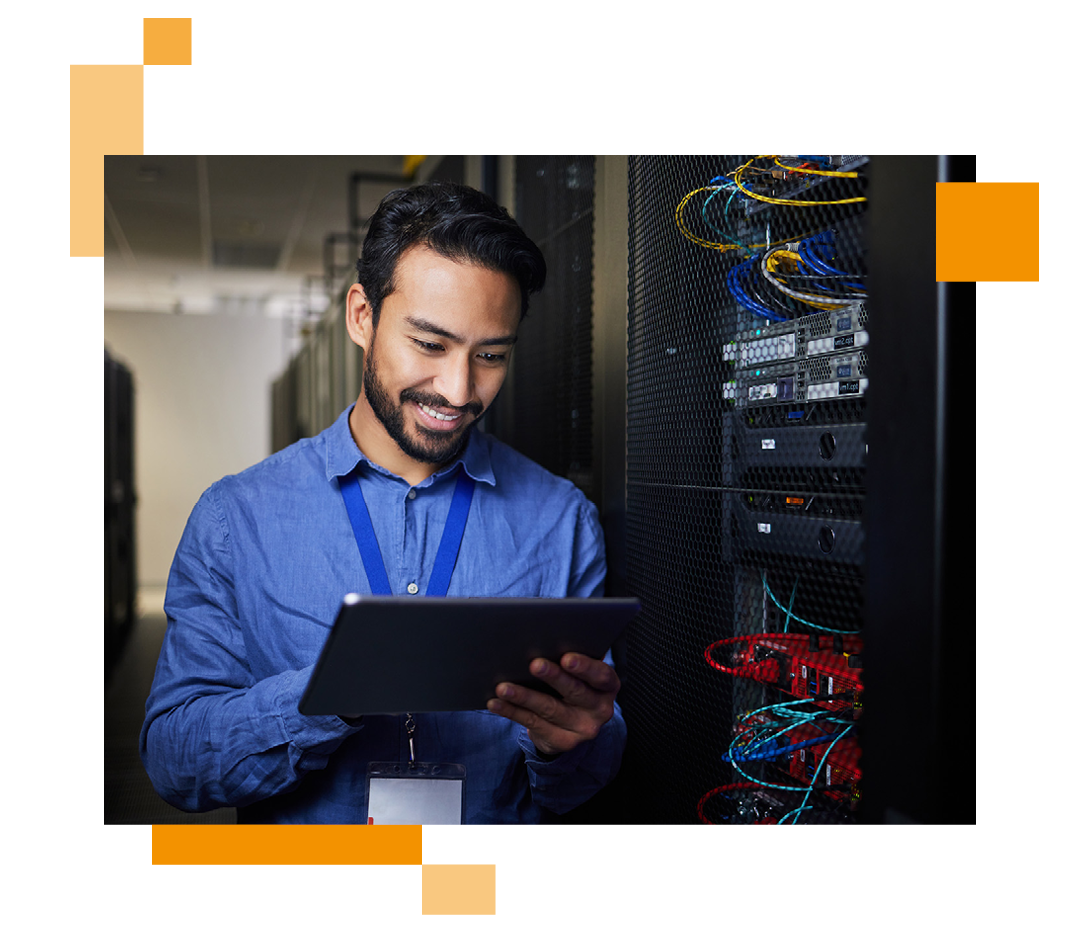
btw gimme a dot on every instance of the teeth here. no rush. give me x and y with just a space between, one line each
437 415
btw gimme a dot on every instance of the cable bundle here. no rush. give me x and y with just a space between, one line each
797 271
730 240
774 733
786 267
777 731
792 276
747 182
743 284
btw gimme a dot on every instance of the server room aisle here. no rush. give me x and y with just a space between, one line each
129 797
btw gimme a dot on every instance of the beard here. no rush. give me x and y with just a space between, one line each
426 446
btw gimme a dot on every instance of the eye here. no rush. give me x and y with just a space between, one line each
491 357
427 346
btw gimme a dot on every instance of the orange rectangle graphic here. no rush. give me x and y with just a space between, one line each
988 232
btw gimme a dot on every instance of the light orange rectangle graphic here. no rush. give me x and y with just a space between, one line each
459 889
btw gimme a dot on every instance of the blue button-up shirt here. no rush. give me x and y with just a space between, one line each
263 565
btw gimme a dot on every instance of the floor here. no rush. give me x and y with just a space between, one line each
129 797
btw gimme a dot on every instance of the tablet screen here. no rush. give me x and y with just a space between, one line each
389 655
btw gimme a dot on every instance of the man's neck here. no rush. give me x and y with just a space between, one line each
379 448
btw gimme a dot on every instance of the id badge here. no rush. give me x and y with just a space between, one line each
415 794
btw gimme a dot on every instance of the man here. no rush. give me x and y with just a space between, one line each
268 555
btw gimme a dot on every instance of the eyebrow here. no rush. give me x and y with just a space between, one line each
430 328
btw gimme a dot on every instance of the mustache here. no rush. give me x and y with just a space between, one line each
437 401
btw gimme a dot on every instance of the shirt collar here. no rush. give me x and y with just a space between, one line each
342 454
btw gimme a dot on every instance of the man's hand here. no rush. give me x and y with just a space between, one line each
588 688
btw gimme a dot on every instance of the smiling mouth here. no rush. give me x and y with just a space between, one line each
435 414
434 422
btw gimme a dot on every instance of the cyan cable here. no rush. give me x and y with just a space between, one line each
705 218
791 602
803 808
821 764
723 234
791 615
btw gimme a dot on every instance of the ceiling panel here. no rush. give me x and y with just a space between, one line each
187 233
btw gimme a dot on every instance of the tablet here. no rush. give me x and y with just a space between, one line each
395 654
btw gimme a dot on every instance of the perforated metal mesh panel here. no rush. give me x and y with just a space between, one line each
747 379
552 396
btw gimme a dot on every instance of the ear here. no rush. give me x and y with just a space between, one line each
358 321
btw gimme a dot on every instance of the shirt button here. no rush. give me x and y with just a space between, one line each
412 494
413 588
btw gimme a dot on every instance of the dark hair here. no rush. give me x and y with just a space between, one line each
455 221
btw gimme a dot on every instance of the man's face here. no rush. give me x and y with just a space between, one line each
440 353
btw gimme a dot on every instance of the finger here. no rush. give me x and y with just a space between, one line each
534 708
582 709
597 674
552 725
571 688
547 738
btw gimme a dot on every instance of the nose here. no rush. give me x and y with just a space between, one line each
455 379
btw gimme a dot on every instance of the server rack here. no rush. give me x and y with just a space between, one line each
320 380
553 377
120 500
748 377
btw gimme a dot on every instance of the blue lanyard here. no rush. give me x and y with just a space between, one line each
368 544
